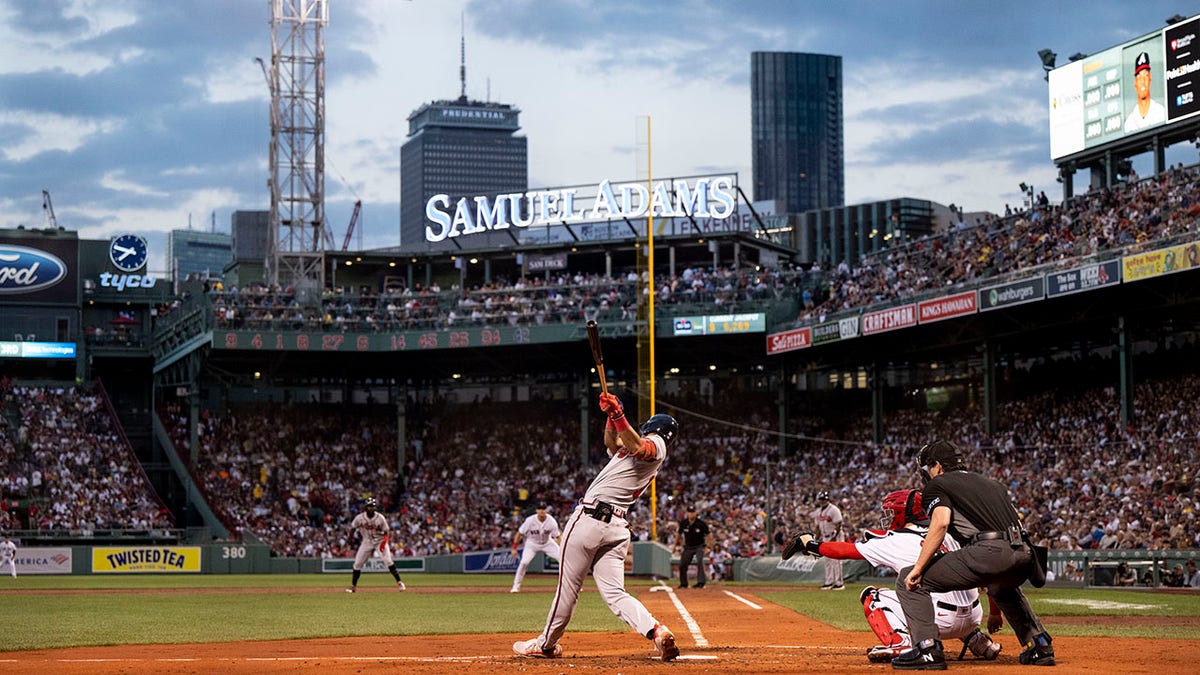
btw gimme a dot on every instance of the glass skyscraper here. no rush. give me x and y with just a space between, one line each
796 129
460 148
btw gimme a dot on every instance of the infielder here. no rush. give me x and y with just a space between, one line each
597 537
8 554
372 527
828 519
541 534
897 546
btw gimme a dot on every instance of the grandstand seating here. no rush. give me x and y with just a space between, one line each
63 454
1079 478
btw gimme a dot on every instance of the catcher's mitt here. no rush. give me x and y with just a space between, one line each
804 543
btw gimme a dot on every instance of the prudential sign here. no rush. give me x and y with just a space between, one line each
26 270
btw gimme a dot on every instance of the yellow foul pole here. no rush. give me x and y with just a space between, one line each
650 314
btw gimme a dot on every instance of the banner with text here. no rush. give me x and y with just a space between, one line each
799 338
501 560
1010 295
1081 279
719 324
939 309
171 559
1160 262
890 319
48 560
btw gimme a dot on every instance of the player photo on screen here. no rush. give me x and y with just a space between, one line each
1144 88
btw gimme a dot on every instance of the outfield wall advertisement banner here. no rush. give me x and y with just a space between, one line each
48 560
1082 279
939 309
125 559
787 341
1160 262
890 319
1012 294
501 560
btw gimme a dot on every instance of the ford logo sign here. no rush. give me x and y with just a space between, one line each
25 270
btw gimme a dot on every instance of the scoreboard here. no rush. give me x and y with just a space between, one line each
1142 84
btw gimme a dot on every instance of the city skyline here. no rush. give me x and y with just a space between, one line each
137 116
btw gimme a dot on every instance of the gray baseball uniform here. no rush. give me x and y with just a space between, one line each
591 543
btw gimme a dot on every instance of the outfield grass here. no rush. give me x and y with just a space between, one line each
65 620
49 620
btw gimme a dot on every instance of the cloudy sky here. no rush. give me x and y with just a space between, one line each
143 115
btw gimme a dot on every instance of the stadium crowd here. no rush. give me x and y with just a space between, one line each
60 451
296 476
1114 221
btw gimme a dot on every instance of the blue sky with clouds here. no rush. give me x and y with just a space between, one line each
140 114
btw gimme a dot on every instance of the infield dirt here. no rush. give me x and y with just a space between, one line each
730 636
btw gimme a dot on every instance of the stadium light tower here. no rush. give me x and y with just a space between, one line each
296 245
1174 19
1048 57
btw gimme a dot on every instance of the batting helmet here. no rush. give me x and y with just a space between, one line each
900 507
370 503
664 425
823 496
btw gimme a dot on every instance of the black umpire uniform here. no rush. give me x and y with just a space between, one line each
995 552
695 537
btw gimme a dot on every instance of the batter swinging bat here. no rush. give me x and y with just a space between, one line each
593 332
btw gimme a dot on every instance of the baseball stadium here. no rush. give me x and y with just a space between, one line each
621 427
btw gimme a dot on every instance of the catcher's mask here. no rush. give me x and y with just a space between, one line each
937 452
900 507
664 425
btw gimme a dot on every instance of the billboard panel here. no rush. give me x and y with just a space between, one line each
1182 68
39 270
1138 85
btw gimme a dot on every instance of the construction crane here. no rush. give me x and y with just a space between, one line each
350 227
48 207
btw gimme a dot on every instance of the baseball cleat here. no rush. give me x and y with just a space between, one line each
530 648
400 586
884 654
664 643
352 590
514 589
839 587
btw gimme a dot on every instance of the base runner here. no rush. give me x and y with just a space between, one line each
596 536
373 528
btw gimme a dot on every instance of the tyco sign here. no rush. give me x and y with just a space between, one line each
146 559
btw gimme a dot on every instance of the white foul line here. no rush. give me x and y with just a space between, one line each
742 600
693 627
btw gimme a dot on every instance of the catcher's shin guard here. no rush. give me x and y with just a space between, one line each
981 645
888 626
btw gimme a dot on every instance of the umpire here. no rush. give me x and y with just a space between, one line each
695 537
995 552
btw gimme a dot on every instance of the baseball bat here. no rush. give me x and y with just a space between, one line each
593 333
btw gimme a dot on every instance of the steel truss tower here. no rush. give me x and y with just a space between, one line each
296 247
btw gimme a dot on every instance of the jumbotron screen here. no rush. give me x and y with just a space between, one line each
1138 85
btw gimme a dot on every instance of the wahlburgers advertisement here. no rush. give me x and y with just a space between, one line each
1011 294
